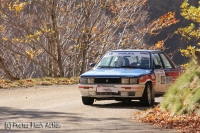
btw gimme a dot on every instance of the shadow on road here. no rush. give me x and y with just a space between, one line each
122 105
12 113
75 122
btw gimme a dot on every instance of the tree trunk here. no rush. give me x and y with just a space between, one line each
8 73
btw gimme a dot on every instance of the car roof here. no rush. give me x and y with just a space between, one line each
133 50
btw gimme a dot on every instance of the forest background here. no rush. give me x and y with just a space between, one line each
57 38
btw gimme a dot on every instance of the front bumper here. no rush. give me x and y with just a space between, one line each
111 91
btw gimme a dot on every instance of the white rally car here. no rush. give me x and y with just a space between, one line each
127 75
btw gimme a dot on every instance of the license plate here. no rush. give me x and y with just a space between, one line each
107 89
106 85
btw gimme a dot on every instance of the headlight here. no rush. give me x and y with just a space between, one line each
83 80
125 80
133 80
129 81
86 80
90 80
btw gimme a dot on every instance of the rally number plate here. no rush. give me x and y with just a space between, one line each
107 89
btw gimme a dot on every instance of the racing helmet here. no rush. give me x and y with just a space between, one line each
119 60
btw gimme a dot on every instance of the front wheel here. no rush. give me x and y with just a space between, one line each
148 96
87 100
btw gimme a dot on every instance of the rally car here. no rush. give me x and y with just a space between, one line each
125 75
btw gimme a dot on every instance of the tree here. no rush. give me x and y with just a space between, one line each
183 97
174 42
191 32
59 38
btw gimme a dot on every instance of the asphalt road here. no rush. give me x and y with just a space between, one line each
59 109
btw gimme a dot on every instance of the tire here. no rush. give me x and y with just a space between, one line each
148 96
87 100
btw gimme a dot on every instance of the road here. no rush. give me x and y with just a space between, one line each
59 108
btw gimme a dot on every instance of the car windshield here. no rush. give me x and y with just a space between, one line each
125 60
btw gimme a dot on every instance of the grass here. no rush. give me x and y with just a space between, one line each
183 97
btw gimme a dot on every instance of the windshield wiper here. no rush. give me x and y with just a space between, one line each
108 67
134 67
128 66
123 67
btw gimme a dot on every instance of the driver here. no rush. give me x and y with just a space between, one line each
119 61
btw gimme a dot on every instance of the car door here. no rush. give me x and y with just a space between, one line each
170 69
159 84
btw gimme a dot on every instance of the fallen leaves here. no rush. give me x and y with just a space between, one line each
181 123
40 81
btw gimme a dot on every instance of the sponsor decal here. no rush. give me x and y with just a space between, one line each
106 86
152 76
106 89
144 53
140 54
169 80
162 80
125 53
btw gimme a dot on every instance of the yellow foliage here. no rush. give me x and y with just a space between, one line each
164 21
18 7
4 16
184 65
94 29
192 13
30 53
1 28
45 29
159 45
188 52
76 46
15 40
38 38
33 36
5 39
37 33
33 53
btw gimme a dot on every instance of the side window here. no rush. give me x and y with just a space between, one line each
156 59
166 62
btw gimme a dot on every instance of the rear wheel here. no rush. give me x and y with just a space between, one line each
148 96
87 100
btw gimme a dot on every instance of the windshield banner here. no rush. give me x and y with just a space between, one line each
141 54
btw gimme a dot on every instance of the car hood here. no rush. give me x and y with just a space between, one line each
118 72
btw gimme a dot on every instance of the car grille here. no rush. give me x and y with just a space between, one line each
108 80
107 93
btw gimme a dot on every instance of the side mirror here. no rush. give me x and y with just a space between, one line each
92 64
178 67
157 66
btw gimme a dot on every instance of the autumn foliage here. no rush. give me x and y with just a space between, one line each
37 81
180 108
50 38
164 120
